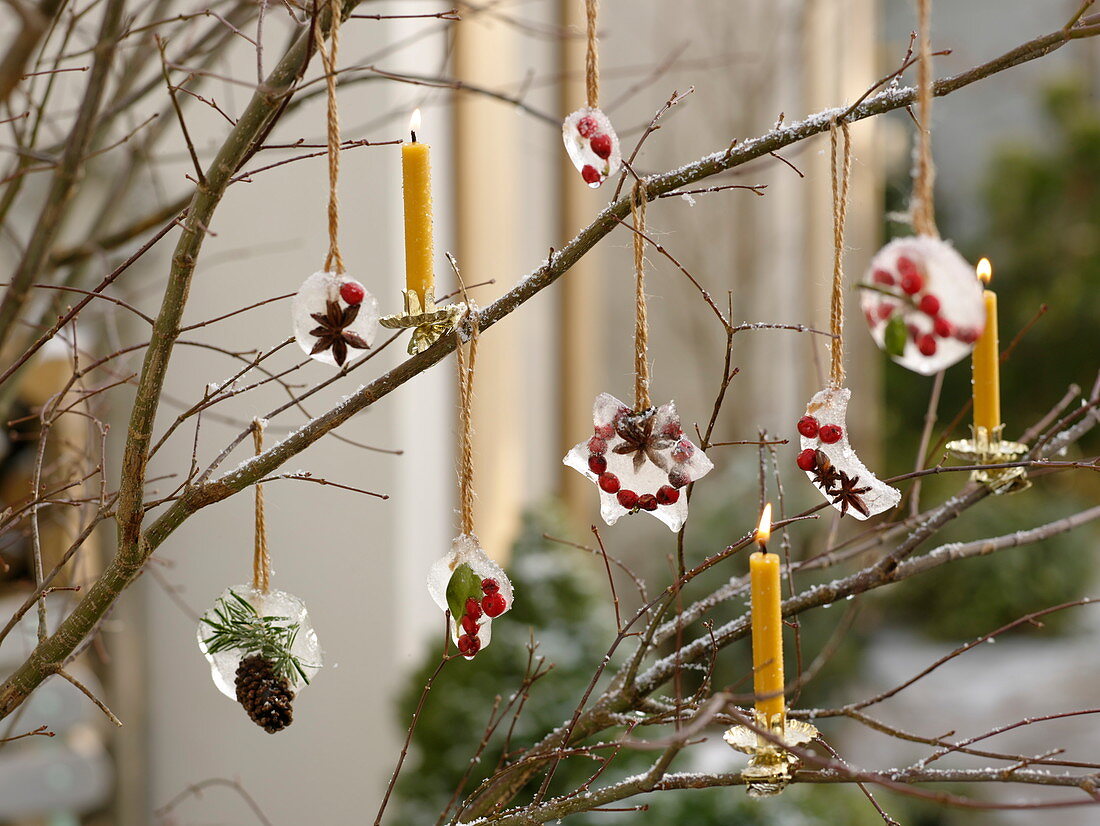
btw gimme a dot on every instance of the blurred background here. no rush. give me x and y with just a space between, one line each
1018 157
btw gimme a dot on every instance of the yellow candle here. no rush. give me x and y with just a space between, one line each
987 361
767 625
416 181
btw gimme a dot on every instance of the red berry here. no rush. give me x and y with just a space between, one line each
667 495
927 345
601 145
672 430
830 433
628 499
590 174
609 483
943 327
871 320
881 276
912 283
808 426
473 608
678 477
604 431
885 310
588 126
489 585
807 459
914 331
683 451
906 266
967 335
929 304
647 502
597 446
468 645
597 464
494 604
352 292
469 625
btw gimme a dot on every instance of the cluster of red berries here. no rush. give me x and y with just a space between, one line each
912 284
600 144
492 604
352 292
668 494
828 433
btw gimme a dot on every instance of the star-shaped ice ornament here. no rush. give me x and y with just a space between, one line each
640 461
923 303
335 318
831 463
473 588
592 145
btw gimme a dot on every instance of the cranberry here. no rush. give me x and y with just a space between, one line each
881 276
870 317
667 495
927 345
609 483
489 585
473 608
468 645
597 464
912 283
590 174
885 310
628 499
906 266
967 335
678 477
597 446
604 431
683 451
929 304
808 426
830 433
943 327
672 430
494 604
647 502
601 145
914 331
588 126
469 625
807 459
352 292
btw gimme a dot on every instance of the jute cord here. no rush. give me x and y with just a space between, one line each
465 358
641 315
592 55
923 207
842 168
261 559
333 262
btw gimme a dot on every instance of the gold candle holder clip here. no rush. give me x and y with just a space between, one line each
429 323
986 447
770 769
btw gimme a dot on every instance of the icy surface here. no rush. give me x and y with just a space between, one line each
646 477
579 145
466 548
947 277
223 665
830 406
313 297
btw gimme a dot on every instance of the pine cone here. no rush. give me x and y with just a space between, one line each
265 696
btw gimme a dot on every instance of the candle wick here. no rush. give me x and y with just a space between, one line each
413 136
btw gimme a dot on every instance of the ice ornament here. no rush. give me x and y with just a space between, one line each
473 588
832 465
923 303
274 625
592 145
639 461
335 318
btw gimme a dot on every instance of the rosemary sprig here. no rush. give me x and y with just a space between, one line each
238 626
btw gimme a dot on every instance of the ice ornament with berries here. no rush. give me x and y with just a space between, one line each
592 145
923 303
473 588
335 318
832 465
640 461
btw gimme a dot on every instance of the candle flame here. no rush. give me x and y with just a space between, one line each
414 121
985 270
764 528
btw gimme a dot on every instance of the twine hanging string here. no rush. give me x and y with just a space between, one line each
465 358
641 317
842 168
261 559
592 56
333 261
923 207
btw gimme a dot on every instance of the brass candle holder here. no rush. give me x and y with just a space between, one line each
429 322
770 769
986 447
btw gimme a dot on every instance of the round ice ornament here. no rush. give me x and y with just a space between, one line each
592 145
328 327
922 303
474 589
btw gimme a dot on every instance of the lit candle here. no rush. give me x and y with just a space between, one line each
416 181
767 625
987 361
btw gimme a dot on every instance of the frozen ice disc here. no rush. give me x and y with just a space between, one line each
326 326
466 550
592 145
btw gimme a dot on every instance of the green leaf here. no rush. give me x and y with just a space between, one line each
464 584
895 335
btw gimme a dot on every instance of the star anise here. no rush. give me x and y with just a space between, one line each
825 475
636 431
332 331
847 495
